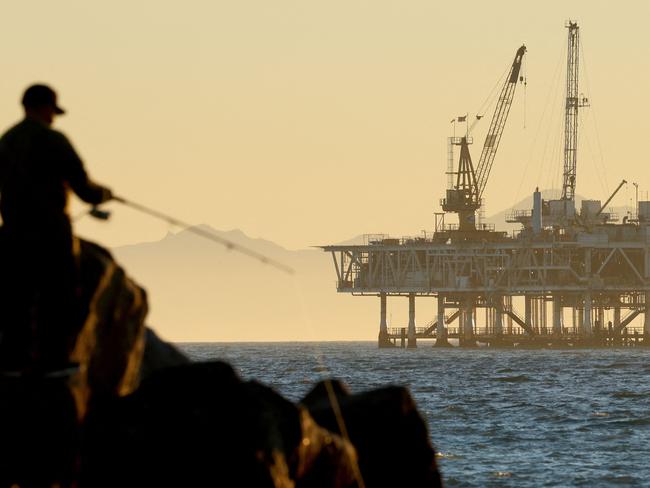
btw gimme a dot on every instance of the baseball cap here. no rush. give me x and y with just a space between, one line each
41 95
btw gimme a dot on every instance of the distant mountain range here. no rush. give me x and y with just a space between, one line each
201 291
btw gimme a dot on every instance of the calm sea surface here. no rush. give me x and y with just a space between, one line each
496 417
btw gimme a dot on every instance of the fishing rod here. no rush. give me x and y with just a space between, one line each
104 215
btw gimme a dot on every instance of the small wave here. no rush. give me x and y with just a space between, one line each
631 394
640 422
621 480
425 389
600 414
522 378
454 408
618 365
502 474
447 455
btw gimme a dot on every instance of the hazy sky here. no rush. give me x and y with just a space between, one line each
309 122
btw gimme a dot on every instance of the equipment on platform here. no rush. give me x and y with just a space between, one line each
464 198
611 197
563 212
560 214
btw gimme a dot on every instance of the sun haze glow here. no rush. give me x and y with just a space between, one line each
310 123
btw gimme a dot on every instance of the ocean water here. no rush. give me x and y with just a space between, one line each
503 418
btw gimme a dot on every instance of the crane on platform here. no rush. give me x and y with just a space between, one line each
465 196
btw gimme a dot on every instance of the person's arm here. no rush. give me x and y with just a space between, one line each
75 174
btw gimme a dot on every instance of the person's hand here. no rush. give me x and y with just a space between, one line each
108 195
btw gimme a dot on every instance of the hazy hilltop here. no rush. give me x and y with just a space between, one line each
201 291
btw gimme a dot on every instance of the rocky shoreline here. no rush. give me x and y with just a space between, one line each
137 412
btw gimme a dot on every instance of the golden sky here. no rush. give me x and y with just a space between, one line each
309 122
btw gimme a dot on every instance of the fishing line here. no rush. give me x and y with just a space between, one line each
323 367
320 359
298 288
206 234
230 245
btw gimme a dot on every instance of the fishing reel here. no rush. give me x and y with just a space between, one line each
99 214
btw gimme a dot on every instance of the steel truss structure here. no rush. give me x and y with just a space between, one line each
586 274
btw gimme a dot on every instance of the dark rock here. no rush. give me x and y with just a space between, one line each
43 404
321 392
159 354
39 429
199 424
390 436
136 412
110 344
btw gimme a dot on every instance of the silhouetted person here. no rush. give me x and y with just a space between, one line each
40 293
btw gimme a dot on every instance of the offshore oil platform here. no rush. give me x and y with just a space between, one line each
585 266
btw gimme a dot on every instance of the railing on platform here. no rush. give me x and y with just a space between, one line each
519 331
516 215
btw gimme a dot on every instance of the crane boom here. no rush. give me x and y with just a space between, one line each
497 125
611 197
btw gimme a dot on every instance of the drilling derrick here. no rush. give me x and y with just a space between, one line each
464 198
573 103
561 213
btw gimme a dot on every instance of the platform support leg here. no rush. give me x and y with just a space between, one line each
498 316
411 330
528 311
441 330
617 322
384 340
498 320
646 320
467 333
586 317
557 315
601 320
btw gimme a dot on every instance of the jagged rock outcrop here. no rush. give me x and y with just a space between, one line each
42 408
385 427
110 345
139 413
200 424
